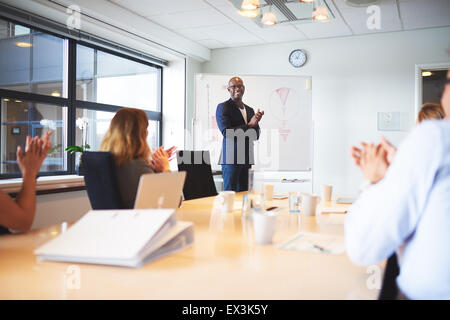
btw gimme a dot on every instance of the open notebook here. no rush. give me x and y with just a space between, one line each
128 238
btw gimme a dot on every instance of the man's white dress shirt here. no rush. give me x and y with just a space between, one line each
409 208
244 114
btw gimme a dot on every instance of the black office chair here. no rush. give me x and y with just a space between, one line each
100 180
199 179
4 230
389 289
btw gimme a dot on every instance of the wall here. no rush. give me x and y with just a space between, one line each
174 101
353 78
192 67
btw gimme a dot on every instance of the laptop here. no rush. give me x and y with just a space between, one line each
160 190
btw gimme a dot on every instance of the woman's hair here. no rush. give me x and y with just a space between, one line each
126 136
431 110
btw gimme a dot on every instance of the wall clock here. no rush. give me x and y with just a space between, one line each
297 58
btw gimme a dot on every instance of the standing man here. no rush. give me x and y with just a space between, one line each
238 124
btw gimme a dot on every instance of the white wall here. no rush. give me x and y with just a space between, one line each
353 78
174 102
192 67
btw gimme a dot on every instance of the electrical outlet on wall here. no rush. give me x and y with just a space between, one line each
392 121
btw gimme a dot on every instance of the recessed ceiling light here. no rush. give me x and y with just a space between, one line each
426 73
249 13
320 14
24 44
269 19
250 4
56 94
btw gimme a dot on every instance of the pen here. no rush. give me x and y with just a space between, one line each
318 247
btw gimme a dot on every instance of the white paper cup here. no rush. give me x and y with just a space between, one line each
226 200
309 204
268 192
327 191
264 227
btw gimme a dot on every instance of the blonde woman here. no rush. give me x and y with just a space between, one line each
126 139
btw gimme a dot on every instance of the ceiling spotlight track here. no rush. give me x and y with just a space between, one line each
281 5
273 12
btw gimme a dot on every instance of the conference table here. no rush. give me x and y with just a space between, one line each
224 263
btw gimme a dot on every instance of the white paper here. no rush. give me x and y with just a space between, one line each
315 242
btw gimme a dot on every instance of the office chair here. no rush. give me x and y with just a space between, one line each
4 230
199 180
100 180
389 287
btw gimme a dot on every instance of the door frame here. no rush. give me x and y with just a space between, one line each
418 79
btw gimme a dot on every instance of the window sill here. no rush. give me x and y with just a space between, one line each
45 185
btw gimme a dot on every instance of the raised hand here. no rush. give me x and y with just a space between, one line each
36 150
356 154
255 119
160 160
373 162
390 149
259 115
171 153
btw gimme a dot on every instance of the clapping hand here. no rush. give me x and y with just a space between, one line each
374 163
255 119
356 154
372 159
171 153
36 150
160 159
259 115
390 149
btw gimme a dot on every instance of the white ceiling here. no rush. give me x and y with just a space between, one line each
216 23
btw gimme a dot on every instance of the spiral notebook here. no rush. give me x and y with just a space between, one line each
128 238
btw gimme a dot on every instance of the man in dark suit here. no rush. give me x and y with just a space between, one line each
238 124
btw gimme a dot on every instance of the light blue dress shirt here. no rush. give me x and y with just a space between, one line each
408 211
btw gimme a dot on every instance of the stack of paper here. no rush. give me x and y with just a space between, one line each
127 238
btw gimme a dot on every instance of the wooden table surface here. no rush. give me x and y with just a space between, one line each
223 263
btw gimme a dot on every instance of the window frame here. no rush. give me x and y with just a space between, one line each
71 102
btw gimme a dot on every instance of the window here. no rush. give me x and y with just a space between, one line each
22 118
36 81
31 61
103 78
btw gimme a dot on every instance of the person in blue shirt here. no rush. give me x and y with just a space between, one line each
406 209
239 126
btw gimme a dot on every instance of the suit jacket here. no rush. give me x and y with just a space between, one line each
238 137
